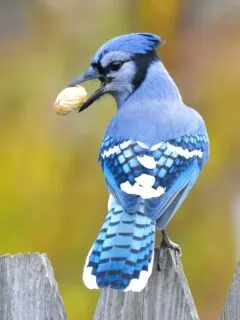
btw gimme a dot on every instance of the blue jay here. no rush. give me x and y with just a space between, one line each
151 155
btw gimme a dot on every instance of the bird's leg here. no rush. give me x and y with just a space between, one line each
166 243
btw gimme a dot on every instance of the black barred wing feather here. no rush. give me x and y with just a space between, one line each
161 174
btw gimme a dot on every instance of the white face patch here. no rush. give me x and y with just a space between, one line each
143 187
114 56
121 85
147 161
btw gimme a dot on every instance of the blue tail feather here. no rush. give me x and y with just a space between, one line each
121 257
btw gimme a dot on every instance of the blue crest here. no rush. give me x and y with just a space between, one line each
133 43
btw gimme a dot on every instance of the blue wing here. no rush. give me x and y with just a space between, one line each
162 174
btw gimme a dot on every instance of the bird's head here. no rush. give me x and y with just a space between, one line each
121 65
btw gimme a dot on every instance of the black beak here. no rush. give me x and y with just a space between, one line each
89 75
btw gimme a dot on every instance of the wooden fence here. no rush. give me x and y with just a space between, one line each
28 291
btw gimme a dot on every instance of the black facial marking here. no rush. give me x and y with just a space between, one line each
115 65
99 67
112 66
143 62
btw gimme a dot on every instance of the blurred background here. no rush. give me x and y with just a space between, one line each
52 192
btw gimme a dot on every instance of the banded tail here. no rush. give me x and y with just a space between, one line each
122 255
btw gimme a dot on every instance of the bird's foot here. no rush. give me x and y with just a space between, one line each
167 243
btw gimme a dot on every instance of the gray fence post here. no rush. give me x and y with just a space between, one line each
166 297
28 290
231 309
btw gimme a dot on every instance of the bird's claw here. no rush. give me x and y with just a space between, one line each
167 243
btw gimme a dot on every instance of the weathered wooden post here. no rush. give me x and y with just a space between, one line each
28 290
231 309
166 297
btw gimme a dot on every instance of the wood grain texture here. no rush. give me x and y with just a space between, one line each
231 309
166 297
28 290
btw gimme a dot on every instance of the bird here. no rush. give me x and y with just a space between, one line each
151 155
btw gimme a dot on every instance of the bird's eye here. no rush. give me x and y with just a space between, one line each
115 65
